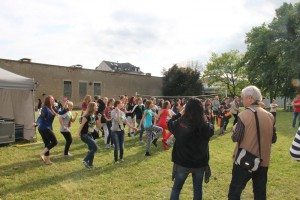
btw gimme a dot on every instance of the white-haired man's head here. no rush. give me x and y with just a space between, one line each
251 94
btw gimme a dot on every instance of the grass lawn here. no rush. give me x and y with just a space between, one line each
24 176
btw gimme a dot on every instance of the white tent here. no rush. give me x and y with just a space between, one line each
17 102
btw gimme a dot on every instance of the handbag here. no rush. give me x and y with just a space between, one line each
244 158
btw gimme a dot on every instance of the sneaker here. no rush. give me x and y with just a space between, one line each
87 165
154 142
147 154
116 162
121 160
68 155
107 146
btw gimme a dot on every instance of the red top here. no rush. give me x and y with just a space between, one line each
296 105
162 122
107 112
84 106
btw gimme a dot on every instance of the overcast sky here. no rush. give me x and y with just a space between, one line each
150 34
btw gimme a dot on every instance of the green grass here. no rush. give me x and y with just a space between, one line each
24 176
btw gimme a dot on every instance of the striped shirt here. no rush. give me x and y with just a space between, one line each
295 148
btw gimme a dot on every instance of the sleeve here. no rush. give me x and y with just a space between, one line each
63 111
172 123
295 148
238 131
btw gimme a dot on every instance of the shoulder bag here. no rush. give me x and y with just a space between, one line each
246 159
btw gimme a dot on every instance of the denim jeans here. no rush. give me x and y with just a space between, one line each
241 176
118 140
181 173
49 139
92 145
296 114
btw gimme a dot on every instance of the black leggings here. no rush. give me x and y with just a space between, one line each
68 138
109 138
49 139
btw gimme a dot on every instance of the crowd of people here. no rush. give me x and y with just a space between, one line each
184 124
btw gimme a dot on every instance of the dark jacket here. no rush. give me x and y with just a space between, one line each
191 146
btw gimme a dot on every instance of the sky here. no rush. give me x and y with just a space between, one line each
150 34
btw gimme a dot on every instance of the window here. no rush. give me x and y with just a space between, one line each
68 89
97 89
82 89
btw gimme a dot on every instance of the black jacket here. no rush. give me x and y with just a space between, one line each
191 146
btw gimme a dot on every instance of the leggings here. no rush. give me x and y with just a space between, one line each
49 139
68 138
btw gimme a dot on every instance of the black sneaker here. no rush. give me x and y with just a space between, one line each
154 142
147 154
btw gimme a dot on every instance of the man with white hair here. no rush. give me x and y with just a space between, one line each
246 135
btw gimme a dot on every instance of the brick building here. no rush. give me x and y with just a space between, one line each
75 82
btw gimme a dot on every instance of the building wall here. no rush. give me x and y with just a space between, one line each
51 78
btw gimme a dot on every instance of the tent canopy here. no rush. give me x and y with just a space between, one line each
17 102
9 80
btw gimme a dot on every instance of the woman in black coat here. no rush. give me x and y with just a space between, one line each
190 152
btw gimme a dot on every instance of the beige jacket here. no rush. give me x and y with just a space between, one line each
249 141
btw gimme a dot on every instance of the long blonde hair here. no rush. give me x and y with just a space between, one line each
90 109
87 99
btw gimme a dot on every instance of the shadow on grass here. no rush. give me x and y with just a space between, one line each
81 174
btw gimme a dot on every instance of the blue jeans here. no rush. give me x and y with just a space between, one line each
181 173
118 140
92 145
296 114
241 176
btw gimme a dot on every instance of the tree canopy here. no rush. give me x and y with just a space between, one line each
181 81
273 53
226 71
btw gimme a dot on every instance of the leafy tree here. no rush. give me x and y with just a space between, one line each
226 71
273 53
178 81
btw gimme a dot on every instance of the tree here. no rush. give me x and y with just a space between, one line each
226 71
273 53
181 82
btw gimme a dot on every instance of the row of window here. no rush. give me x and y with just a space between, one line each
82 89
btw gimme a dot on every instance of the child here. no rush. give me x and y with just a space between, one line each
273 108
87 127
153 132
65 122
139 110
107 114
224 114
